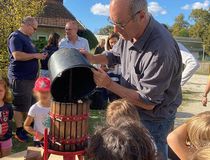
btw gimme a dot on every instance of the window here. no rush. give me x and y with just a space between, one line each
42 37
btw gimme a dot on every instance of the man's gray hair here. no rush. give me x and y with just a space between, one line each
29 20
137 5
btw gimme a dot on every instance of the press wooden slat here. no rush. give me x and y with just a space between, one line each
57 125
68 126
73 127
52 124
79 124
62 124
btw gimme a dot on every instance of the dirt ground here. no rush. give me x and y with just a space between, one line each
192 94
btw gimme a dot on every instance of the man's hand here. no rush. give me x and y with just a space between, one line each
101 78
88 55
41 56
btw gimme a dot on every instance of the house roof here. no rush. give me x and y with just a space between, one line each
55 14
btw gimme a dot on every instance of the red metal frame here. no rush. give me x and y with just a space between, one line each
66 155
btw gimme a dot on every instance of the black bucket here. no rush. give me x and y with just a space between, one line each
71 76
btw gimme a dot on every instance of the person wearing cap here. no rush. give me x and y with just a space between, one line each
23 71
38 113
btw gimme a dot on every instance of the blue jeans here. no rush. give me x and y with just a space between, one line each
160 129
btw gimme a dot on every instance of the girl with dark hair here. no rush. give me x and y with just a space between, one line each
127 142
49 49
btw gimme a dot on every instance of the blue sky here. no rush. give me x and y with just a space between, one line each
93 13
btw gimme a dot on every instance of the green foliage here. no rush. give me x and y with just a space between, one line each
11 15
106 30
201 28
180 27
40 44
93 42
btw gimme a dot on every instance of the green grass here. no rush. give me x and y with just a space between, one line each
96 118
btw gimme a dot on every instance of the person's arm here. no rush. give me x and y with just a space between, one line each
95 59
29 129
207 89
191 65
87 46
102 79
177 141
22 56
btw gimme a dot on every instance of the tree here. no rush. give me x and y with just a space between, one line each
180 27
106 30
201 27
12 12
92 40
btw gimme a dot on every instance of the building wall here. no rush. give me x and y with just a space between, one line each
45 32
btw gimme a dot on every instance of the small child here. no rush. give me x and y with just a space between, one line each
6 115
121 109
191 136
38 113
202 154
127 142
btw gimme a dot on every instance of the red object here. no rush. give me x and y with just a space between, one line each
66 155
42 84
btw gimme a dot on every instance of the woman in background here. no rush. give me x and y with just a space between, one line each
49 49
114 71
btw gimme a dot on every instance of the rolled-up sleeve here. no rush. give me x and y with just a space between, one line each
113 55
112 59
156 80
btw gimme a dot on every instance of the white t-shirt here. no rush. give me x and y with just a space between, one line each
40 115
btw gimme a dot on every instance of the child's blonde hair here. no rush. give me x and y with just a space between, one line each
8 95
198 130
202 154
121 109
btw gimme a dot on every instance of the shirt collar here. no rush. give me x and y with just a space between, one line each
78 39
139 44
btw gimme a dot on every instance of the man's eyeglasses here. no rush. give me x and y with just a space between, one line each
122 26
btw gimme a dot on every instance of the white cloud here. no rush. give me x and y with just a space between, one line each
186 7
197 5
100 9
155 8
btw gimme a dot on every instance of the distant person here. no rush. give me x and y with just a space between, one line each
50 48
206 92
23 71
6 115
72 40
190 63
39 112
100 48
113 71
191 136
